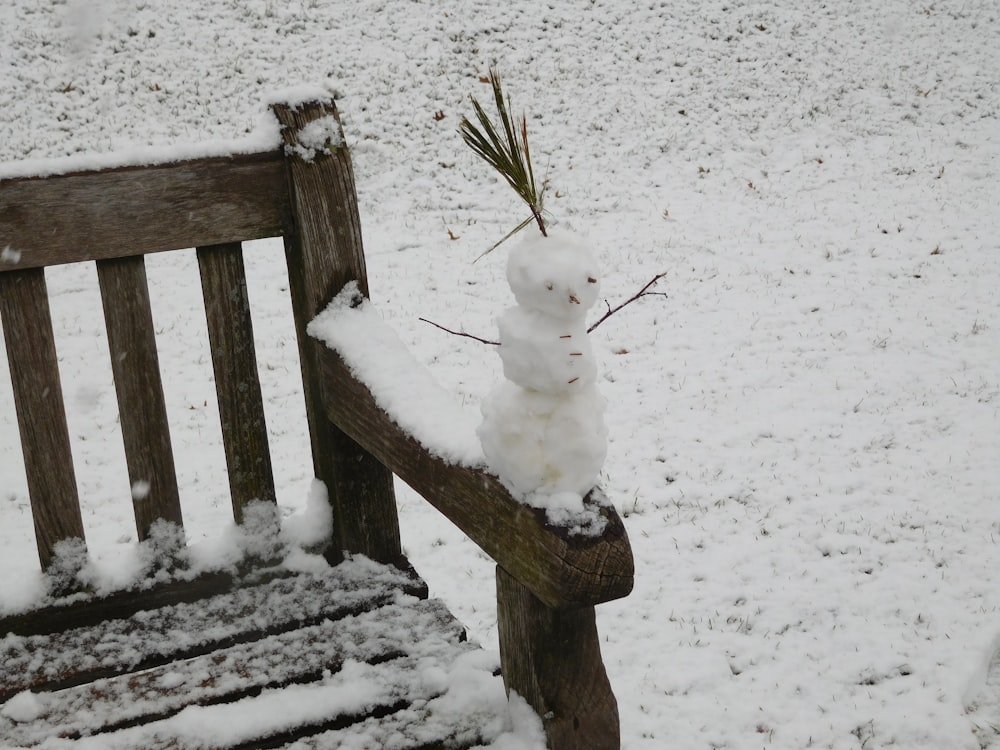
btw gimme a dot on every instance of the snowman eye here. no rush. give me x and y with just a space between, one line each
549 285
591 280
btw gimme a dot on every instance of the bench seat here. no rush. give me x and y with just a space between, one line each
355 655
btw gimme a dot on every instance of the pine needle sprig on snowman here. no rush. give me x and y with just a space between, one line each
506 150
543 430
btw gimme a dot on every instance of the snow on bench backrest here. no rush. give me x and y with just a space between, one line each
301 187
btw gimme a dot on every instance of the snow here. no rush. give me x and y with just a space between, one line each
266 135
545 354
544 444
140 489
9 255
314 525
316 136
351 326
543 430
25 706
555 274
802 435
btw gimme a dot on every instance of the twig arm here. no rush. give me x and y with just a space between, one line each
460 333
644 292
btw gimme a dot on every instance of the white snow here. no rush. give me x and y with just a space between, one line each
25 706
314 524
302 93
352 327
802 436
543 430
554 274
140 489
545 354
537 442
10 255
316 136
265 136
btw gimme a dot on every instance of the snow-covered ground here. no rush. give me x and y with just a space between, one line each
803 435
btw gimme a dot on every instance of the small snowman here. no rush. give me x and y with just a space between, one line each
543 429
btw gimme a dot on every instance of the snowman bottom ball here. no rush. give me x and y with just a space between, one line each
544 444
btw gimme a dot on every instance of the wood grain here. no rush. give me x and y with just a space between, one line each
237 382
296 656
139 210
552 659
324 252
41 413
141 408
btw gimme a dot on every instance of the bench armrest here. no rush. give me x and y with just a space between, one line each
561 568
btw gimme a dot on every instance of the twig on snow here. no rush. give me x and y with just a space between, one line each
460 333
644 292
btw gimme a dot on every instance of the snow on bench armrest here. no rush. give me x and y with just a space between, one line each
401 386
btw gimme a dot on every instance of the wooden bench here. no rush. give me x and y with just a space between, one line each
258 655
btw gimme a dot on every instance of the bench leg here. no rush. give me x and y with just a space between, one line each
552 659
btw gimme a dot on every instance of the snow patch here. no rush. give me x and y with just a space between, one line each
304 93
10 255
544 445
265 136
404 389
314 525
322 134
140 489
23 707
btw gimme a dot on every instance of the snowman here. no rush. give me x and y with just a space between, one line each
543 429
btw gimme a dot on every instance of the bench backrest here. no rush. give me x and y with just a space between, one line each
115 217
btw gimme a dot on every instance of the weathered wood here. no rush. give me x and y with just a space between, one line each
324 252
87 612
237 383
41 414
552 659
147 638
141 408
296 657
561 569
139 210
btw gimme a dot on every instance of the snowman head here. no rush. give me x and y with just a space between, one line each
555 275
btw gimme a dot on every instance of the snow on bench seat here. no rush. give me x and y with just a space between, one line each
152 637
349 653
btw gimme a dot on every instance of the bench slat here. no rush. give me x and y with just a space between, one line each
141 408
237 382
323 253
152 638
41 413
139 210
340 706
384 634
79 611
